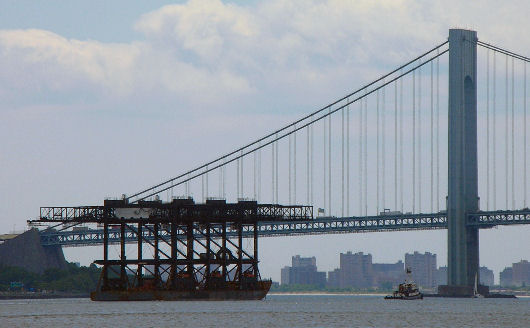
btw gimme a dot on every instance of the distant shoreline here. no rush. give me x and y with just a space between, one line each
40 296
315 293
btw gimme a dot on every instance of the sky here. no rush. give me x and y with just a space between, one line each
98 99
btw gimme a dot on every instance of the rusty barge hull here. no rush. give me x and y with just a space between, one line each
165 295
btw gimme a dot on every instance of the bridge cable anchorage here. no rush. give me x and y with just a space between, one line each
488 129
265 144
431 140
513 138
437 134
506 165
494 123
414 142
226 156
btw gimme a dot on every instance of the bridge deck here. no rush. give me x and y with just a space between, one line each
320 225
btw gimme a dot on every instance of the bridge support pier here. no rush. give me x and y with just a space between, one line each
463 240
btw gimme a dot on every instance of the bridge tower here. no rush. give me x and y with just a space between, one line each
463 240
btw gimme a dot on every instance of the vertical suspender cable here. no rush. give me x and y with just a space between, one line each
365 155
377 157
202 188
273 168
290 165
432 139
419 139
383 150
188 186
524 135
488 129
312 164
324 154
494 130
242 192
329 161
437 133
259 173
254 173
395 147
348 158
220 193
207 193
342 168
294 167
360 181
237 169
224 180
506 133
513 138
276 171
413 141
401 141
308 187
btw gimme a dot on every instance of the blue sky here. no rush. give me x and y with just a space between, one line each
100 99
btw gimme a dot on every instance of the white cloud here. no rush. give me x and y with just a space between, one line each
206 54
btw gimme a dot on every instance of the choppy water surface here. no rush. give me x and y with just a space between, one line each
275 311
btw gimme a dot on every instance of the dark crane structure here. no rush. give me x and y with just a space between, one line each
193 256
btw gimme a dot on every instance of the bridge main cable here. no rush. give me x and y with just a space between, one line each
129 198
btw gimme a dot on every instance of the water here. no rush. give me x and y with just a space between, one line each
275 311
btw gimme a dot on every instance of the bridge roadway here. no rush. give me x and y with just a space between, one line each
317 226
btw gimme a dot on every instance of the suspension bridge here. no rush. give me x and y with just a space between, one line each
412 150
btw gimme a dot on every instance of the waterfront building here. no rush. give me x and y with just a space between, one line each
389 275
486 276
303 271
506 277
423 268
521 273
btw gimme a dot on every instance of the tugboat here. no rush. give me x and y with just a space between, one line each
406 291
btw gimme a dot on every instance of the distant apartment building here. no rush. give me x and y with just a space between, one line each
521 273
389 274
506 277
486 276
423 267
441 275
303 271
357 271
